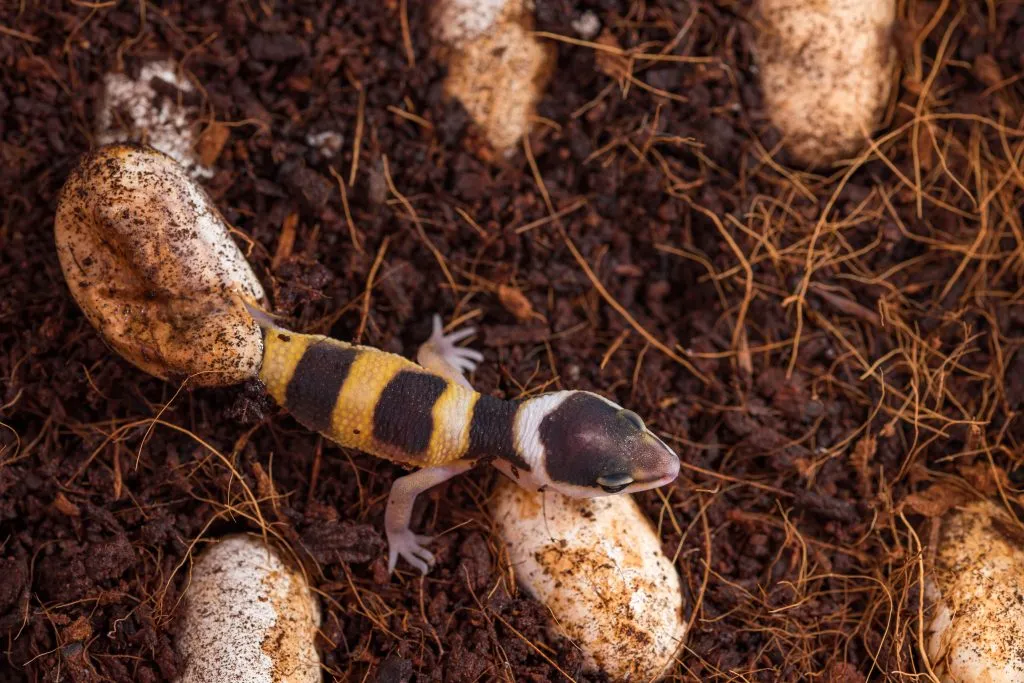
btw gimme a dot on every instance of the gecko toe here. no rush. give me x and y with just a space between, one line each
458 335
410 547
425 555
418 564
461 358
468 354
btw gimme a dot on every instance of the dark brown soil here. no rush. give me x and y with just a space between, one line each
859 335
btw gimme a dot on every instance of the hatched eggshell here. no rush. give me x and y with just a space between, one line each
497 69
976 633
133 110
150 261
826 72
456 22
248 618
597 564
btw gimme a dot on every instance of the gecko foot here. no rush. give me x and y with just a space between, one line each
410 546
444 345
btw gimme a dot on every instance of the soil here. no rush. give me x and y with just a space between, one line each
858 335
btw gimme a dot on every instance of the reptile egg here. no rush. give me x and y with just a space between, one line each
497 68
597 564
150 261
248 617
135 109
976 589
826 72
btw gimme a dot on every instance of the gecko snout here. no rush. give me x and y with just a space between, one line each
655 464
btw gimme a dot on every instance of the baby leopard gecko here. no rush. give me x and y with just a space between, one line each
426 415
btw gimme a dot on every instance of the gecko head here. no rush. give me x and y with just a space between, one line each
591 447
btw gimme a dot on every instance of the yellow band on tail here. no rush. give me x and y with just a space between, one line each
363 398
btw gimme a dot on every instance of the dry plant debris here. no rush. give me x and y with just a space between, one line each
879 299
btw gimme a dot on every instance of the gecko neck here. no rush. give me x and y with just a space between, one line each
493 431
492 428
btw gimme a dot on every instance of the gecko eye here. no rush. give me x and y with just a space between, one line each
632 418
614 483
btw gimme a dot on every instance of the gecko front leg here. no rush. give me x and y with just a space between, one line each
441 355
402 542
438 354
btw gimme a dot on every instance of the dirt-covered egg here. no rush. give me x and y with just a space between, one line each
976 588
597 564
150 261
497 68
826 70
248 618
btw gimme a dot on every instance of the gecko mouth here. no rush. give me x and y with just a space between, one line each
666 478
655 483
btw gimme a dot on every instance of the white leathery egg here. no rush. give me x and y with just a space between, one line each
151 262
248 618
826 71
597 564
976 588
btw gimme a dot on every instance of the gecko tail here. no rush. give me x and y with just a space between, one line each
264 319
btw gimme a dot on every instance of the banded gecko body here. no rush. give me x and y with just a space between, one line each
426 415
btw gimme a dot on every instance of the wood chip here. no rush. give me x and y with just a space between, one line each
936 500
211 143
64 506
79 630
611 63
515 302
286 241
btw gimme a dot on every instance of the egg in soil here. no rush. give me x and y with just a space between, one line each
598 566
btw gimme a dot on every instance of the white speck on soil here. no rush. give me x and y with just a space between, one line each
328 143
587 26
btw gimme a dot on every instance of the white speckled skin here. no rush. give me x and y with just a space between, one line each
248 618
976 634
597 564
